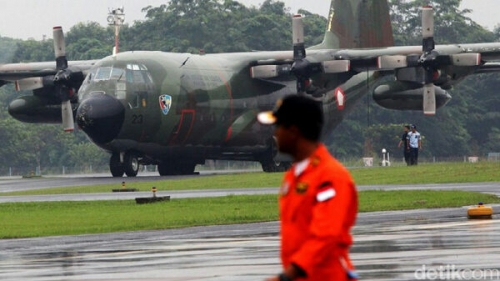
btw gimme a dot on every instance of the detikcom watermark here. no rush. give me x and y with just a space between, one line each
450 272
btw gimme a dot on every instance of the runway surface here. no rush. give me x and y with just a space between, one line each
436 244
414 245
23 184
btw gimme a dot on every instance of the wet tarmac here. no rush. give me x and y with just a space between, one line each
435 244
23 184
439 244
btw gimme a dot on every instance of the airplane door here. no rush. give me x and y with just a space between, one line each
185 126
140 90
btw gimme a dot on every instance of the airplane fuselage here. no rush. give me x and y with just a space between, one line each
191 107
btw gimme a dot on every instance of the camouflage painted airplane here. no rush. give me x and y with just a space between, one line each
177 110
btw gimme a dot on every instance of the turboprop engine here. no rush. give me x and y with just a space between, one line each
403 95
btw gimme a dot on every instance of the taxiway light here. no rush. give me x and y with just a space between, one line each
480 212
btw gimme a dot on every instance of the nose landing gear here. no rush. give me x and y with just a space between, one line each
124 163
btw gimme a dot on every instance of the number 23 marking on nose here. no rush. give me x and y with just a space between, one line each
137 119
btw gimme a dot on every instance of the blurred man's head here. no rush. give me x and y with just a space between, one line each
295 117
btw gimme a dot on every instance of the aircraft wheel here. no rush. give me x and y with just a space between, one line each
275 166
116 168
269 165
131 164
186 169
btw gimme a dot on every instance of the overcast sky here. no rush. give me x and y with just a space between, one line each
34 18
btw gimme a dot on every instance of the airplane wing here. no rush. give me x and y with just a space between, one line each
12 72
63 78
428 65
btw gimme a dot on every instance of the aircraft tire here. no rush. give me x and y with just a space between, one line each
269 165
131 164
116 168
275 167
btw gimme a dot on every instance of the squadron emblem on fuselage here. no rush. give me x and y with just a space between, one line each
165 103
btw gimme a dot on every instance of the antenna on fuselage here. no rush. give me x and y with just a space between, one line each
116 17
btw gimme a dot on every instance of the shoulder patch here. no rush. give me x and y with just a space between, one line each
315 161
325 194
325 191
301 187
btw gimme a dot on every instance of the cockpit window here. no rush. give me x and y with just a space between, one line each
107 73
103 73
117 73
138 74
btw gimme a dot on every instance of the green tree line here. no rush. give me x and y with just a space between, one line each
468 125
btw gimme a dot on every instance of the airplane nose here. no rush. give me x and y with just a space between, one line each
101 117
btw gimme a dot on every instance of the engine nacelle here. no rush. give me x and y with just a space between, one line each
402 95
33 109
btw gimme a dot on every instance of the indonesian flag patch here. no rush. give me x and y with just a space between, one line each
325 192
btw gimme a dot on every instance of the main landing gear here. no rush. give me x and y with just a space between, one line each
129 166
271 161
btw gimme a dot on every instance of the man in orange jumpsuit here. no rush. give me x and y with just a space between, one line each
318 198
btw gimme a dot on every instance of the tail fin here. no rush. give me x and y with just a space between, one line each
358 24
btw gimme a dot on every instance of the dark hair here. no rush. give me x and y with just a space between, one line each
303 112
407 127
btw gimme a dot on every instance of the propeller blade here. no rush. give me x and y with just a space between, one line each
429 104
299 51
60 48
302 84
427 29
67 116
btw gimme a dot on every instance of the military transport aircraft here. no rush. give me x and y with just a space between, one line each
177 110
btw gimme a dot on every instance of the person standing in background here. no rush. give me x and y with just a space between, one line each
414 144
404 142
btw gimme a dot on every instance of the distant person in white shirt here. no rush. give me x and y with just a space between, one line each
414 144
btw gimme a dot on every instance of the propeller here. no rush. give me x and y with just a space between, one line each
301 67
427 59
62 80
425 68
298 66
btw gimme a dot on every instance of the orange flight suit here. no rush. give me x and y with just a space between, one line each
318 207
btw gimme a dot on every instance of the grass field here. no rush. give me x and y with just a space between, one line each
70 218
422 174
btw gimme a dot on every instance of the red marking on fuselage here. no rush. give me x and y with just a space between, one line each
340 97
181 122
229 133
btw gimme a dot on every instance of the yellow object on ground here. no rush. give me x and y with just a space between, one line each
480 212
